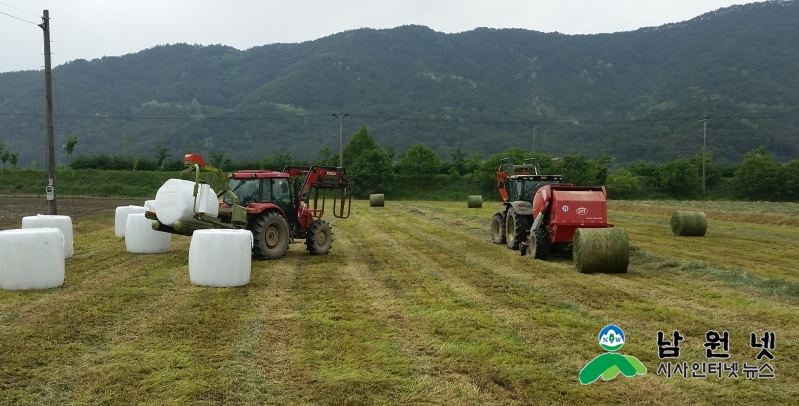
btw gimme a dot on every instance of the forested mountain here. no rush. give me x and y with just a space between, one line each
634 95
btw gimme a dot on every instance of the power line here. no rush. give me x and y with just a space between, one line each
165 118
18 18
536 122
19 9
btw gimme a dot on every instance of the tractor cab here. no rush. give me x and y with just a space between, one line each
525 187
521 182
255 188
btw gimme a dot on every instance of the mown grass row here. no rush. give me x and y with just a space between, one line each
650 296
414 305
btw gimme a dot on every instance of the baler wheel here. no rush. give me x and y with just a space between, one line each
540 244
319 238
270 236
498 228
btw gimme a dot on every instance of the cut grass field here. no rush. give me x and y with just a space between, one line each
414 305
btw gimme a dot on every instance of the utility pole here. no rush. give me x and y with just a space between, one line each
534 128
340 117
704 145
48 95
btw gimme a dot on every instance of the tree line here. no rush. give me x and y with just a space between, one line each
420 171
7 156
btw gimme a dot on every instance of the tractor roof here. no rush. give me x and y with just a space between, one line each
257 174
538 177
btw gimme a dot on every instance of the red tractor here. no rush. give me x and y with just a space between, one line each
278 207
542 215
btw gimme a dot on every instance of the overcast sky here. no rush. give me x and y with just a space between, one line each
91 29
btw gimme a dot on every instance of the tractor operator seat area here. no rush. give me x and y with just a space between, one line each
526 189
280 190
247 190
259 191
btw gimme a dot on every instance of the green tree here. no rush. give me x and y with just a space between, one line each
14 160
576 169
790 173
162 153
678 178
218 159
326 156
4 157
282 158
459 157
372 172
391 153
361 142
622 184
759 177
474 162
600 166
420 160
712 172
130 148
72 141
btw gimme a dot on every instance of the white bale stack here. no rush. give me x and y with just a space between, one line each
140 238
121 218
32 258
63 223
220 258
149 205
174 201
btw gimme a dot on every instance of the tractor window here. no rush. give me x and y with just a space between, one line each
248 191
530 187
280 191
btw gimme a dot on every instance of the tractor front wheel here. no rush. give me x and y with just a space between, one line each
498 228
516 228
319 238
271 236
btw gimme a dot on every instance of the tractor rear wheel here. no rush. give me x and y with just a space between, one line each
539 242
516 228
498 228
270 236
319 238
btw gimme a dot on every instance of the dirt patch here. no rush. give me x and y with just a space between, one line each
13 209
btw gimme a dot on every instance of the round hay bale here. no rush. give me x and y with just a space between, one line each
220 258
377 200
63 223
688 223
474 202
605 250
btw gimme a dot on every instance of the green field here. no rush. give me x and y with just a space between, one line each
414 305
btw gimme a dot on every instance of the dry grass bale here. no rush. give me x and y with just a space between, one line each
605 250
376 200
474 202
689 223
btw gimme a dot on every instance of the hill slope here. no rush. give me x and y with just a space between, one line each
634 94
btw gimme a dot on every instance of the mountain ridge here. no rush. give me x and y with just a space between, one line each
634 94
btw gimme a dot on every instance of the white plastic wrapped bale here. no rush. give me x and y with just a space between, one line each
220 258
174 201
32 258
63 223
140 238
121 218
149 205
